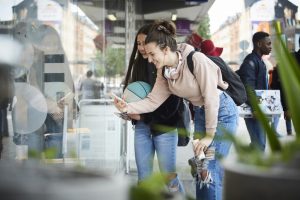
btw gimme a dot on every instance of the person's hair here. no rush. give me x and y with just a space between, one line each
89 73
260 35
163 33
137 67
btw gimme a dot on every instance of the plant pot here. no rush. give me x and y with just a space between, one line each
248 182
30 180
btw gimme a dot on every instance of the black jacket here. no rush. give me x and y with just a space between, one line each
253 72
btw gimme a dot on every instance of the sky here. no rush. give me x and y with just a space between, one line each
5 9
222 9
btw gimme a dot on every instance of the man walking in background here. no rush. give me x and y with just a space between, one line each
88 86
253 74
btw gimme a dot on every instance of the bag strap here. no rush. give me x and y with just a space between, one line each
190 62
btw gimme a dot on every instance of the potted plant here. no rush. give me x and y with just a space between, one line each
154 188
256 175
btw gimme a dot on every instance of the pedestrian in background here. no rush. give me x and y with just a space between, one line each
253 73
287 116
276 85
88 86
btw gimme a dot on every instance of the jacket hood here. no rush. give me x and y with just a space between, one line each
185 49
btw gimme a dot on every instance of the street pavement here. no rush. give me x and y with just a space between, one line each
183 154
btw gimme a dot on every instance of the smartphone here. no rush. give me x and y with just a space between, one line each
66 96
117 97
123 116
59 96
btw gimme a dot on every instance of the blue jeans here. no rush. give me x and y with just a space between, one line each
227 120
52 125
55 130
256 132
165 145
275 122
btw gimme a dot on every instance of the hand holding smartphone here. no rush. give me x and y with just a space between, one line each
114 96
123 116
60 96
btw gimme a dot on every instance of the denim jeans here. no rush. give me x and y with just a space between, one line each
275 122
227 120
52 125
288 124
165 145
256 132
54 129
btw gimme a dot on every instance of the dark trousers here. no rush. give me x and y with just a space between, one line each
3 120
1 145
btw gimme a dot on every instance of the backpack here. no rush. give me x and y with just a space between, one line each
236 89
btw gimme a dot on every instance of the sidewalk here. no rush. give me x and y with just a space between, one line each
183 154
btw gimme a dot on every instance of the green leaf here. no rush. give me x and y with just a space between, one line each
50 153
289 71
151 188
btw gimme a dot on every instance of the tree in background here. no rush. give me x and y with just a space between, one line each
203 27
99 65
111 63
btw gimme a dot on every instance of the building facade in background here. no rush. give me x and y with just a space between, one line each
236 34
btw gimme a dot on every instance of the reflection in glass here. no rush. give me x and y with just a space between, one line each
30 111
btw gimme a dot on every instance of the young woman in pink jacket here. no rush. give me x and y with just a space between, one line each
219 111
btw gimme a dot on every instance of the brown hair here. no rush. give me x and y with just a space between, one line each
163 33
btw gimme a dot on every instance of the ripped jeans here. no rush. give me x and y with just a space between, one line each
227 119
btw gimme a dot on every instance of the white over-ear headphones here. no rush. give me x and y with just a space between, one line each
170 72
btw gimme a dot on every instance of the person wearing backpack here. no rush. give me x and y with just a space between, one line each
201 89
253 73
148 136
88 86
236 88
